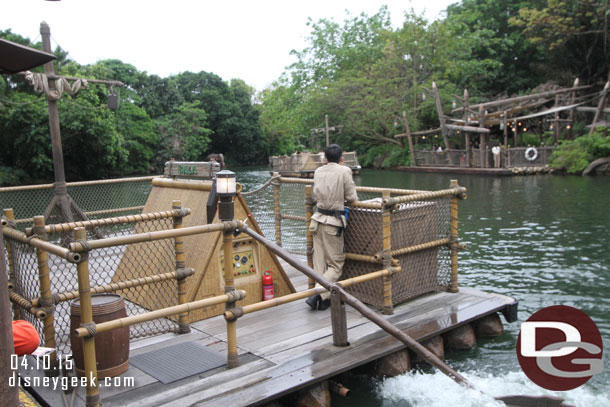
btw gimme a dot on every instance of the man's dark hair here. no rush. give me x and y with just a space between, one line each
333 153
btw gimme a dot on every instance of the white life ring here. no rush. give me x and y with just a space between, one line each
528 154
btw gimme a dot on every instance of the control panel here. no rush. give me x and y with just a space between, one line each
244 260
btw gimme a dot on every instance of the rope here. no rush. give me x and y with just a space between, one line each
90 327
40 83
84 244
265 185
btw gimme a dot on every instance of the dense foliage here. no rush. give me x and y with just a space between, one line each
573 156
362 72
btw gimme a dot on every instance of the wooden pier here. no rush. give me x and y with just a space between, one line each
458 170
282 350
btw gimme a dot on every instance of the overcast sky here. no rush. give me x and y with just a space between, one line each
250 40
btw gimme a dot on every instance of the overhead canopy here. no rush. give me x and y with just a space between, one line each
16 57
601 123
545 112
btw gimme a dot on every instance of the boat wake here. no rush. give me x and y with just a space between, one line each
417 389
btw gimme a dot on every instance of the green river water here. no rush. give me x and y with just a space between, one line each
542 239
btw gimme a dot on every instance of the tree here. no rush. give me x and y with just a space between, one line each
184 134
574 31
511 62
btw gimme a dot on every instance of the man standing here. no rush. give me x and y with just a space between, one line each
332 186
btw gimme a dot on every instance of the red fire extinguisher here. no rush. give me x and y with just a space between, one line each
267 285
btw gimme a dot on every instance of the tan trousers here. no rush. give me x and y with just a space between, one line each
328 256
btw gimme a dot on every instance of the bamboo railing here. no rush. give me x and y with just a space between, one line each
79 249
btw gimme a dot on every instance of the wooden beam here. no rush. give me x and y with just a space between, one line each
524 98
601 105
419 133
468 128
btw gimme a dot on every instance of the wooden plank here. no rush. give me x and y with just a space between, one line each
152 396
327 366
280 352
292 348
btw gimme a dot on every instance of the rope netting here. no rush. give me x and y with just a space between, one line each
103 266
412 224
97 199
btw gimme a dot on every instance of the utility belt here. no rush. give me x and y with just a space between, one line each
337 214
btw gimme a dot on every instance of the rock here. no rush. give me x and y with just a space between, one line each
461 338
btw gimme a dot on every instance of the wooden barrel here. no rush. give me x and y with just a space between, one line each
111 347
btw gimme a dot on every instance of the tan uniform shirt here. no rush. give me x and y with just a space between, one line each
332 185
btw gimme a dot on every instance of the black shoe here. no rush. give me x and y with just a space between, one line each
323 304
313 301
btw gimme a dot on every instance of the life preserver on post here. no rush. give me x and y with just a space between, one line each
531 154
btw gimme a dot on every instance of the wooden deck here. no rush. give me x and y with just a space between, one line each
286 348
459 170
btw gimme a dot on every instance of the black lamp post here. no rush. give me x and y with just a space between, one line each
226 189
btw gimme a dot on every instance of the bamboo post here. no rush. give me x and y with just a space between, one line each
556 118
183 323
572 111
227 243
275 183
409 138
86 321
46 297
468 145
9 395
338 319
388 306
10 215
483 144
453 238
515 131
600 107
441 118
309 235
505 125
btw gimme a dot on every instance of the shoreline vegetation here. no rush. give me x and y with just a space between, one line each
362 73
